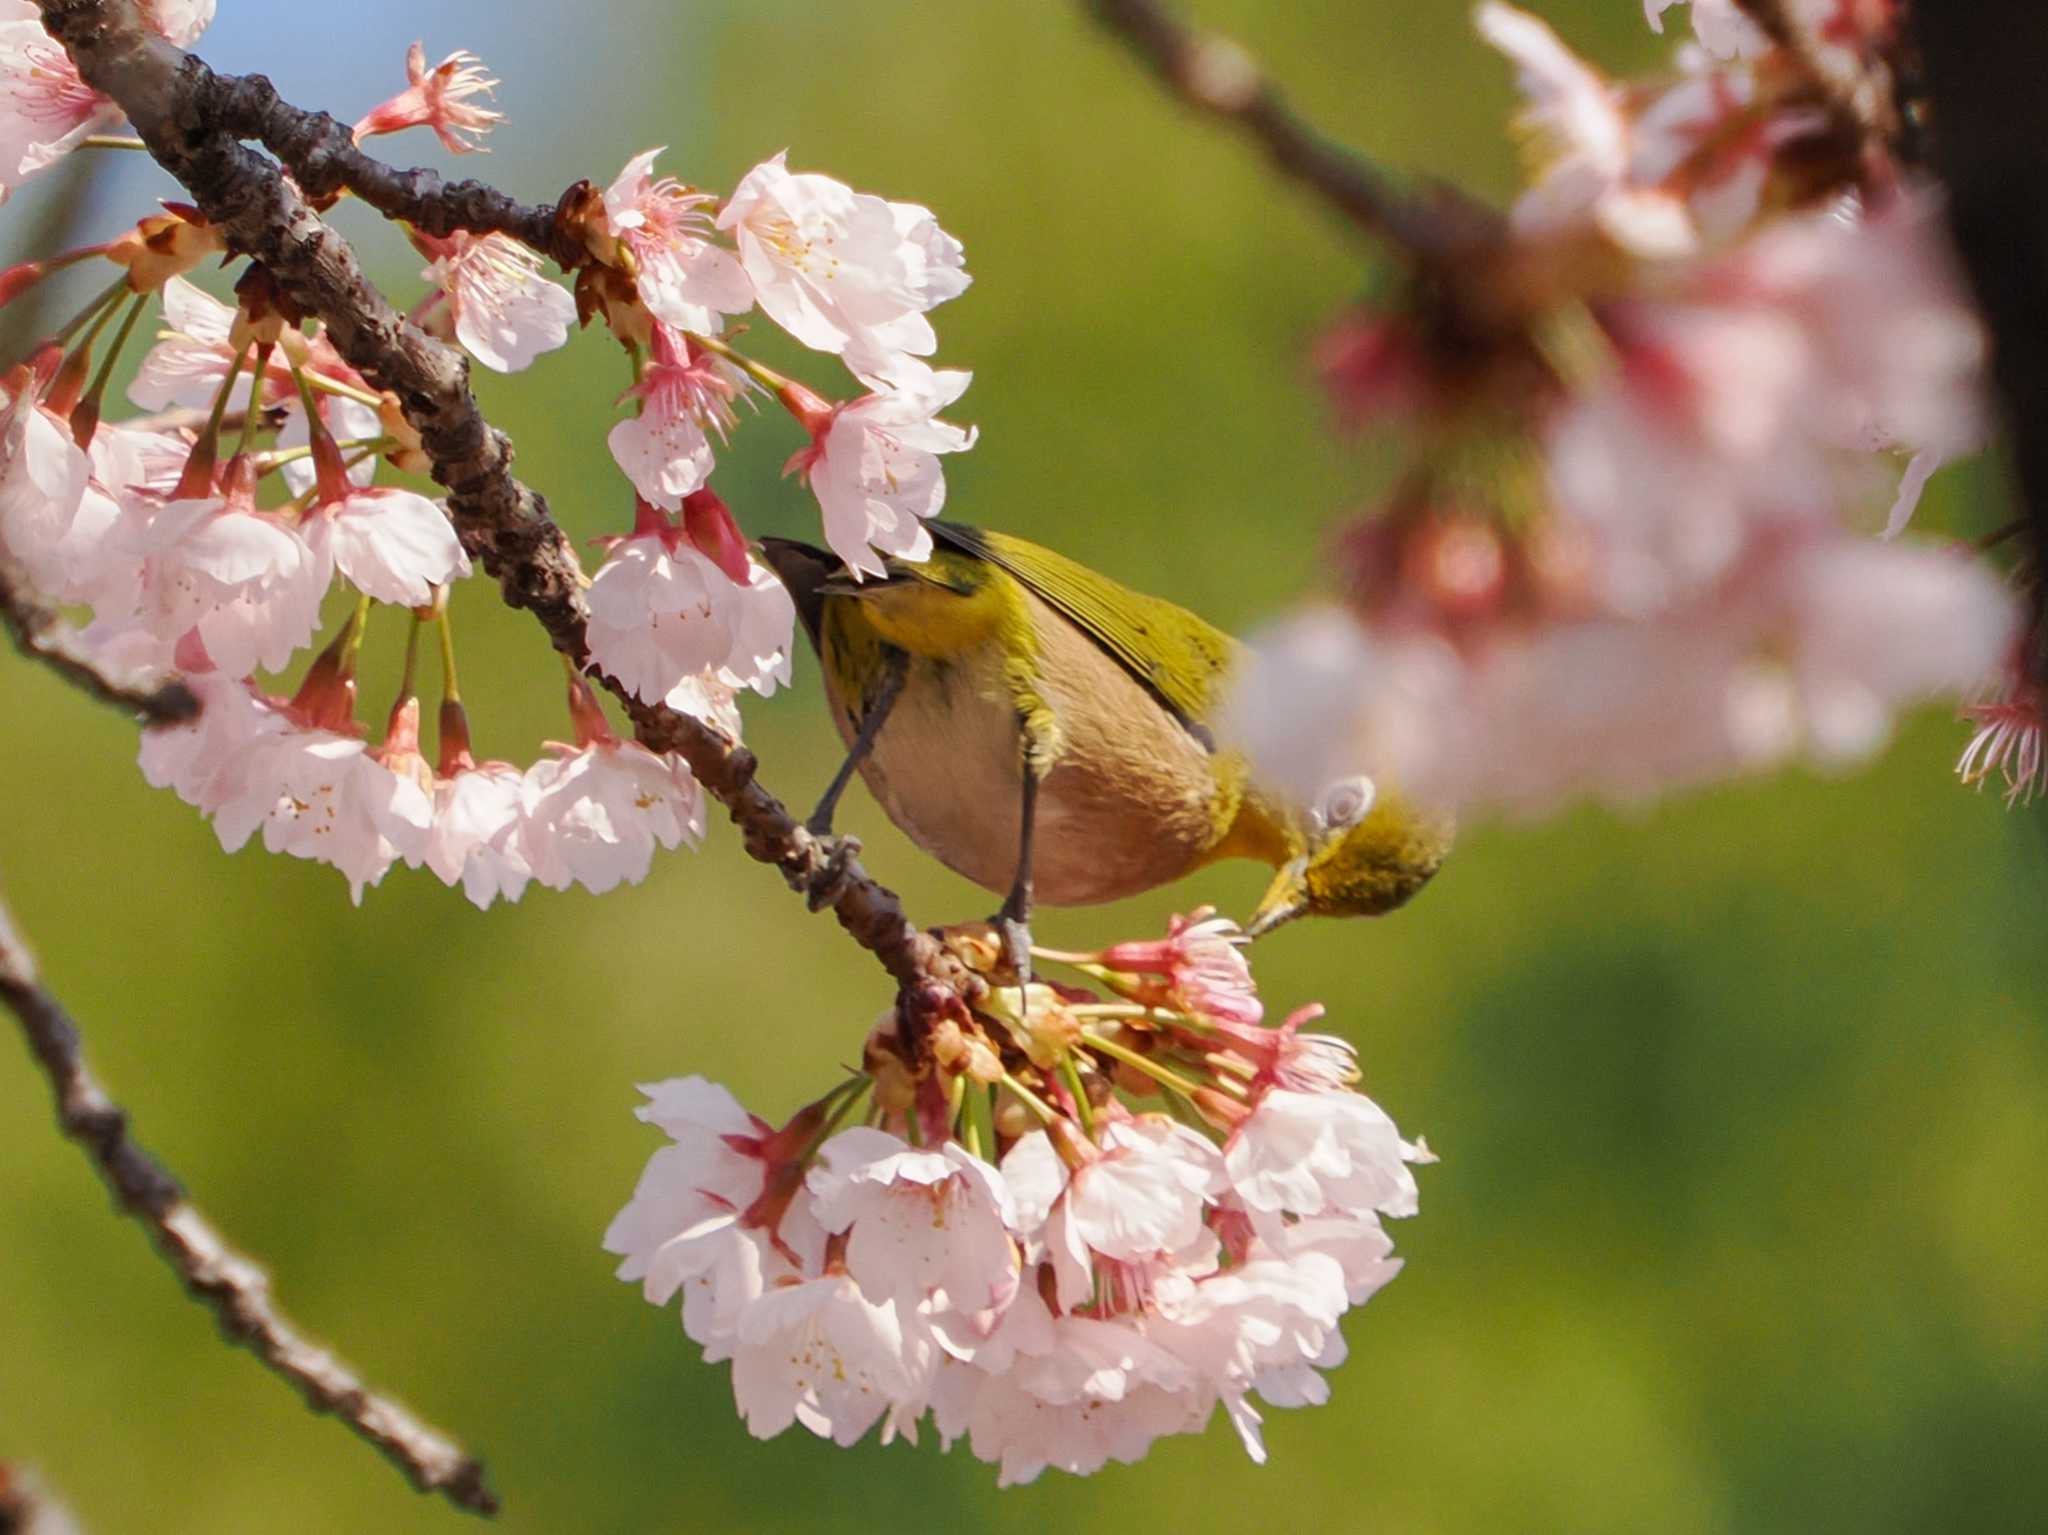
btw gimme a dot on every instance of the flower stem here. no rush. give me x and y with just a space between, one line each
1070 1070
105 297
760 372
981 1120
98 387
110 141
1165 1075
1045 1111
448 688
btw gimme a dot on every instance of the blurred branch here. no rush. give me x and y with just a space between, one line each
42 636
1216 76
234 1287
191 120
1990 147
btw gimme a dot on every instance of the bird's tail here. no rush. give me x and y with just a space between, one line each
805 569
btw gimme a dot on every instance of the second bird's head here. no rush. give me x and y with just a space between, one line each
1366 851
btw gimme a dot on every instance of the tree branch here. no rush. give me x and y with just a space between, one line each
189 118
42 636
218 1276
1216 76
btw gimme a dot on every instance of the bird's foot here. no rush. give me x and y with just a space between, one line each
1015 934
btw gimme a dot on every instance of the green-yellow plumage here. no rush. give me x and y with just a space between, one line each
1016 659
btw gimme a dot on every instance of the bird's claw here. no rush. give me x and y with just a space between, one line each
1015 933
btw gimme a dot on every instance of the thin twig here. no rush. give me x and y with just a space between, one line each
191 119
217 1275
42 636
1217 76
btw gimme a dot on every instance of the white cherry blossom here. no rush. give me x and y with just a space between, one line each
822 1354
46 110
842 271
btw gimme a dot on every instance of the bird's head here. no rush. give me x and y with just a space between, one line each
1366 851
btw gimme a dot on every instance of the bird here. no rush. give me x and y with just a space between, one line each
1048 733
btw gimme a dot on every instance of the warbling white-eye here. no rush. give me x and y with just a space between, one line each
1043 730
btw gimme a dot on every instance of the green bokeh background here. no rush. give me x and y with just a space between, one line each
1742 1101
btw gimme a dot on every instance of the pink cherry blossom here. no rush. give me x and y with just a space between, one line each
684 395
822 1354
1200 966
392 545
44 476
1719 25
490 296
594 815
441 98
1584 121
662 610
242 579
684 279
46 110
321 795
842 271
917 1222
206 761
475 840
1316 1153
179 21
873 465
194 351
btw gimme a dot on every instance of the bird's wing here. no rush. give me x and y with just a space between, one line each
1179 658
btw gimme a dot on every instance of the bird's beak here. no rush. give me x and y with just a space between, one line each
1285 899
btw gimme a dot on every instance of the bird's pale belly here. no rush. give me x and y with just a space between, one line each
1129 803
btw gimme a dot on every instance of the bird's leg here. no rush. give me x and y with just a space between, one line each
893 670
1014 920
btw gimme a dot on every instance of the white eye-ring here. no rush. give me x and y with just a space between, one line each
1345 803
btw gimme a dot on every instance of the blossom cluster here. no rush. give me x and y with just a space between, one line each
1015 1242
205 536
1640 538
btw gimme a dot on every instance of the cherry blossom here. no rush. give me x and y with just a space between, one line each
873 465
918 1222
683 395
475 839
2008 741
441 98
1318 1152
393 545
1200 966
684 280
822 1354
671 602
490 296
1719 25
46 110
44 475
242 579
842 271
593 815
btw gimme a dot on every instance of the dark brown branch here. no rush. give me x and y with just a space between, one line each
1216 76
42 636
219 1277
505 526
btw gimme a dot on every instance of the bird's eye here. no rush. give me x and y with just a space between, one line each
1345 802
